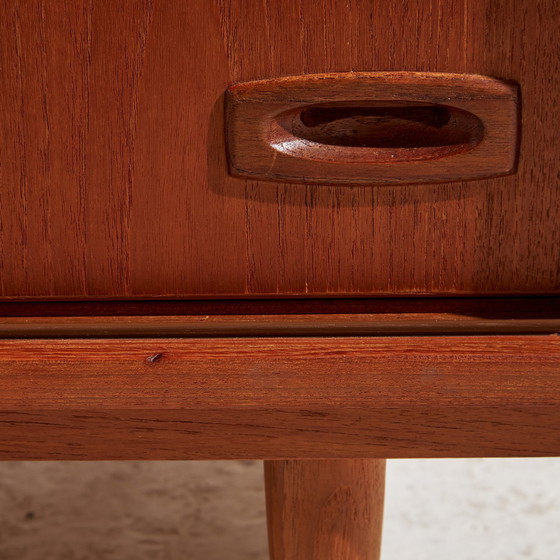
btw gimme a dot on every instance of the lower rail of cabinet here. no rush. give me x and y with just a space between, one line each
280 397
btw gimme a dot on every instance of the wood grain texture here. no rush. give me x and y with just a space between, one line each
280 398
372 128
390 324
325 510
114 180
303 317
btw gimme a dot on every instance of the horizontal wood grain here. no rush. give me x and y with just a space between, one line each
372 128
280 398
342 317
356 324
115 181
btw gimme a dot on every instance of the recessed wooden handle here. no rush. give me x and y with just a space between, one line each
401 127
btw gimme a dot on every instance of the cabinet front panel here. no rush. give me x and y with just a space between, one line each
113 167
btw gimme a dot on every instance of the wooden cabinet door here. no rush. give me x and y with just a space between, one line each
113 172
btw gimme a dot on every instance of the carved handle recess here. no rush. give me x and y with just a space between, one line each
367 128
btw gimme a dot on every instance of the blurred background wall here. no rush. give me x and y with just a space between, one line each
491 509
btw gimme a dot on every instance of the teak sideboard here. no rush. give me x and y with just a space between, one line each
316 233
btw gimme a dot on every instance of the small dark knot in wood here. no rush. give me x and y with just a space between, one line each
154 358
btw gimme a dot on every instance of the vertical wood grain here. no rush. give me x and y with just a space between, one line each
117 38
187 237
325 509
43 114
113 175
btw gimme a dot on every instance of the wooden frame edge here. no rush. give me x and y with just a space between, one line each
274 398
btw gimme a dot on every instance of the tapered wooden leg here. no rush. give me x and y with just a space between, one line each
325 510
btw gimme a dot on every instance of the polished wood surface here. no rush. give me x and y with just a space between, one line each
372 128
114 179
303 317
279 398
271 325
325 510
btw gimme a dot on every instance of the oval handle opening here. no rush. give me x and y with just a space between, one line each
373 128
381 131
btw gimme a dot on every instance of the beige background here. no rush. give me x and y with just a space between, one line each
435 509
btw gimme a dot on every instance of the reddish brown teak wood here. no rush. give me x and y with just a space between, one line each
275 398
372 128
280 318
114 185
325 510
114 176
